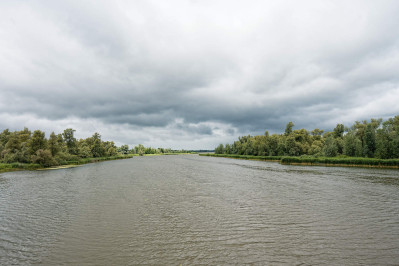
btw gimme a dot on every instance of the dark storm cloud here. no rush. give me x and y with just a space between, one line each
192 74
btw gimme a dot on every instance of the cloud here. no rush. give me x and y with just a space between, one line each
191 74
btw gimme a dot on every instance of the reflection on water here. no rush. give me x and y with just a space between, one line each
199 210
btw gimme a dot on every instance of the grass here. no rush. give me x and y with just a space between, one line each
340 161
245 157
324 161
8 167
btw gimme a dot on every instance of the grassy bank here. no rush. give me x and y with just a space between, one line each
97 159
245 157
345 161
8 167
318 161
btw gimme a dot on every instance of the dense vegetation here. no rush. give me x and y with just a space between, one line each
374 139
312 160
26 150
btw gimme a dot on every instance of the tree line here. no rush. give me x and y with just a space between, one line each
33 147
371 139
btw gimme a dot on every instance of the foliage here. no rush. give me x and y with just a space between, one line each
311 160
344 161
374 139
20 149
245 157
44 158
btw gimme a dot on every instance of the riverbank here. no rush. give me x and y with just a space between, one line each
318 161
9 167
245 157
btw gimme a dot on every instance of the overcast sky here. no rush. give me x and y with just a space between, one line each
193 74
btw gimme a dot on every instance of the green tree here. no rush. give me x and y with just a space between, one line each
24 135
227 149
44 158
288 128
124 149
140 149
53 145
350 144
219 149
316 147
110 148
97 148
111 151
70 141
85 151
317 133
38 141
13 144
4 137
291 146
369 144
330 147
339 131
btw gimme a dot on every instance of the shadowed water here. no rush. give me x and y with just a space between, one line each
189 210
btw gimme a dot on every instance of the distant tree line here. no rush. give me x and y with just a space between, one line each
141 150
27 147
374 139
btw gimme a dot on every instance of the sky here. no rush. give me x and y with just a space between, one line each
187 74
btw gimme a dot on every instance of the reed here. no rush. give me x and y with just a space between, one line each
309 160
7 167
244 157
354 161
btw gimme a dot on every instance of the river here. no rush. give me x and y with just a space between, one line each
188 209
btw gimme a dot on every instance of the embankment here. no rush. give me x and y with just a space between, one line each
318 161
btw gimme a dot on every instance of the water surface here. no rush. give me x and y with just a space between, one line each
199 210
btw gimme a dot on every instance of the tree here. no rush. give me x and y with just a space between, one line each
369 144
85 151
4 136
24 135
140 149
227 149
317 133
350 144
339 131
124 149
44 158
288 128
111 151
292 147
97 148
316 147
53 144
13 143
330 147
110 148
359 129
38 141
70 140
219 149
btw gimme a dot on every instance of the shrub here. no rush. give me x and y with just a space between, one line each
44 158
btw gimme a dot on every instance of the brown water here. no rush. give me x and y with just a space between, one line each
189 210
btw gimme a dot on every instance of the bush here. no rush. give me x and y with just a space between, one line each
44 158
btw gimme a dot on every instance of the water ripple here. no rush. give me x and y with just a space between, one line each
199 210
